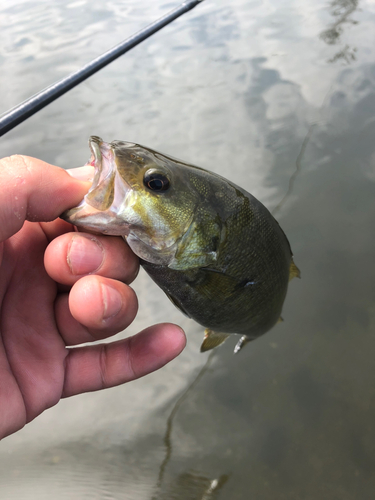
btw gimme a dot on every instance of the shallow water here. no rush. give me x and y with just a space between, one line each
280 98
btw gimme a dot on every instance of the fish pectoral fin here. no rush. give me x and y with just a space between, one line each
218 285
213 339
241 343
294 272
280 320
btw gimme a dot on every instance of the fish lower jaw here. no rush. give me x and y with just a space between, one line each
105 222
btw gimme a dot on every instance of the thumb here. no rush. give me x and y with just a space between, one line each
33 190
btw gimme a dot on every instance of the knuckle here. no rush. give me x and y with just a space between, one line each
17 162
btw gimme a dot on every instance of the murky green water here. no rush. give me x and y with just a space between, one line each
278 96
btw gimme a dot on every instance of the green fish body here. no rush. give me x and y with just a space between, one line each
213 248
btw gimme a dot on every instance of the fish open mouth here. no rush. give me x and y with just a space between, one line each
99 210
101 193
96 160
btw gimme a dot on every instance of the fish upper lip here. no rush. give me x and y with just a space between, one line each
103 158
95 143
97 154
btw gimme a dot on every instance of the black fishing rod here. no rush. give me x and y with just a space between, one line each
37 102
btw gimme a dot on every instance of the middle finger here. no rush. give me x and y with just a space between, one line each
73 255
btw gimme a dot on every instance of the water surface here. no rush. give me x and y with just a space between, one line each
280 98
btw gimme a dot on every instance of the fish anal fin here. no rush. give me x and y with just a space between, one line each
241 343
294 272
213 339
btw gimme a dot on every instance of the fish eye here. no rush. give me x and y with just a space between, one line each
156 181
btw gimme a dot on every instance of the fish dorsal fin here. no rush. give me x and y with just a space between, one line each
213 339
294 272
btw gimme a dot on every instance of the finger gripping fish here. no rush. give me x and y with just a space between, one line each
213 248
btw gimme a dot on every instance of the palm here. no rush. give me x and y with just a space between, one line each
32 353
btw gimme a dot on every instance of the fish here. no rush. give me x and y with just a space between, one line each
212 247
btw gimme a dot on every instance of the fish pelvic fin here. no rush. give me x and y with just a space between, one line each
213 339
241 343
294 272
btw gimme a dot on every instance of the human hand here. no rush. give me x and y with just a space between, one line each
58 289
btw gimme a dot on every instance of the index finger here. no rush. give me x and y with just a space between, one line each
36 191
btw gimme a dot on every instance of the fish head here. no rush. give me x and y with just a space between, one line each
139 194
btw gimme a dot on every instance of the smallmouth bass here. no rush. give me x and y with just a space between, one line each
213 248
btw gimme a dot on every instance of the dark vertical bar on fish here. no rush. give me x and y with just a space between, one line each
37 102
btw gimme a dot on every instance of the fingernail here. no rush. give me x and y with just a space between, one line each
85 254
85 173
112 301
